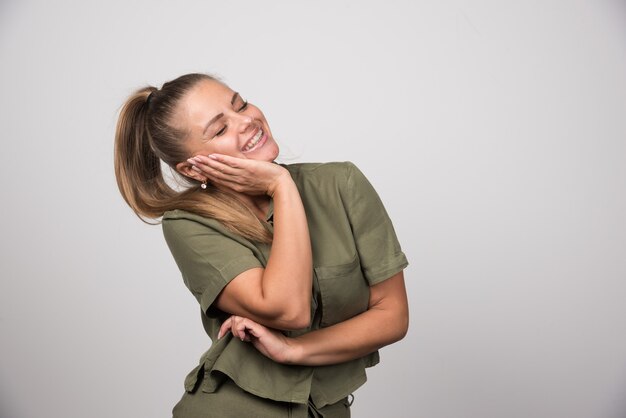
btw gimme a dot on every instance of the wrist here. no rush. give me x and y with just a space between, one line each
295 353
281 182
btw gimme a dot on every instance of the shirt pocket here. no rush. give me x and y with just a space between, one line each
344 291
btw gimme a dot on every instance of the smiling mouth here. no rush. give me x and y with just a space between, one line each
254 141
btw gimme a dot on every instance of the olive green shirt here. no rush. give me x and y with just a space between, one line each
354 246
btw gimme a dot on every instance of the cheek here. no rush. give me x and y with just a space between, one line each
256 113
221 145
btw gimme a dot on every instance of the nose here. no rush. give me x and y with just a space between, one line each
244 123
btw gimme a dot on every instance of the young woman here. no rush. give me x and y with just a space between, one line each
297 268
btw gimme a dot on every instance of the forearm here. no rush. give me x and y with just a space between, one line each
385 322
288 274
347 340
278 295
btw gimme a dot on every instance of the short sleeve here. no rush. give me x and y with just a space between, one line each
377 244
207 258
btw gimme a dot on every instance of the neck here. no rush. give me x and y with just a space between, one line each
259 205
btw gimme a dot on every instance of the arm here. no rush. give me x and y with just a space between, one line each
278 296
386 321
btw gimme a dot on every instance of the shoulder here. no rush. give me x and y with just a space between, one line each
331 173
320 169
171 217
180 222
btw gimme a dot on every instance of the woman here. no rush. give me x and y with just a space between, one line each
297 268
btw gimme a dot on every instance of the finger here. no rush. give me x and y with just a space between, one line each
247 329
218 165
201 175
206 166
239 330
225 327
253 329
211 173
228 160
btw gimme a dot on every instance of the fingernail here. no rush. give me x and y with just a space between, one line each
193 167
212 156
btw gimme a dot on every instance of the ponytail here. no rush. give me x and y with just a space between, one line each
137 167
143 139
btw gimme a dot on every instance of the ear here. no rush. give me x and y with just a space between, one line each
185 169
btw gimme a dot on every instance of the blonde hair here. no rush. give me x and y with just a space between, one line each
144 137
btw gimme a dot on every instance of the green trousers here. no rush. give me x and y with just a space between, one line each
230 401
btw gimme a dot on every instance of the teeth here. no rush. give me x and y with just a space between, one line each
255 140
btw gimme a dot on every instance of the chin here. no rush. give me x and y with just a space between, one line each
276 151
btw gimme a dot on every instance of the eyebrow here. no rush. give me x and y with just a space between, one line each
232 102
210 122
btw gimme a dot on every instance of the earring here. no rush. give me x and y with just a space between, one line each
203 185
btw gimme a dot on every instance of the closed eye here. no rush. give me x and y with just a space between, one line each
221 131
241 108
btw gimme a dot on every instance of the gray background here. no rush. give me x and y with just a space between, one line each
493 130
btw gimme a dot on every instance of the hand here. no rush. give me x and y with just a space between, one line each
242 175
269 342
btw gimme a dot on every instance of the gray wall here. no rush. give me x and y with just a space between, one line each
493 130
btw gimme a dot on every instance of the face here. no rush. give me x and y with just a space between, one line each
218 120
